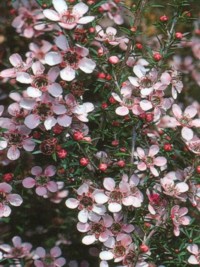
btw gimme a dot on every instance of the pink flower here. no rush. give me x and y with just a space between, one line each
39 52
119 248
14 139
42 180
18 66
70 59
28 23
52 259
86 203
113 11
7 199
185 119
46 110
97 228
195 258
40 82
19 249
148 159
109 36
68 18
174 189
178 217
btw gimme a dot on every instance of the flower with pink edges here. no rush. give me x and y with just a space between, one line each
195 251
39 51
28 22
174 188
178 218
118 248
41 180
14 139
147 159
66 17
39 81
97 228
45 110
18 66
185 120
7 199
86 203
70 59
109 36
51 259
113 11
18 250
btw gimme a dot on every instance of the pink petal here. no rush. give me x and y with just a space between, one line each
53 58
9 73
67 74
109 184
145 105
114 207
139 71
165 78
80 9
52 186
55 89
23 77
86 19
36 170
53 74
32 121
193 248
51 14
133 81
41 191
141 166
160 161
101 198
16 60
13 153
177 111
64 120
190 112
55 252
122 111
187 133
195 123
33 92
154 171
193 260
15 199
28 182
182 187
83 216
60 262
38 68
60 6
72 203
40 252
87 65
49 123
153 150
50 171
6 188
17 242
88 239
106 255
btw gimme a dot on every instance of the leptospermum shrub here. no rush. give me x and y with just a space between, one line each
99 137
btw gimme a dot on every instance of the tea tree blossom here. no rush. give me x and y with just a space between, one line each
7 199
70 59
18 66
195 257
51 259
38 51
18 250
42 180
178 218
40 82
68 18
86 203
185 120
147 160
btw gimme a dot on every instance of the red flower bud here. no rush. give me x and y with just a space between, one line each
77 136
84 161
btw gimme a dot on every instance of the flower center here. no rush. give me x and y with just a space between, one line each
116 228
68 18
40 81
44 110
86 201
146 82
116 196
97 228
15 139
17 252
119 251
70 58
48 146
2 196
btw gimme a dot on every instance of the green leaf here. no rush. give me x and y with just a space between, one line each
44 3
